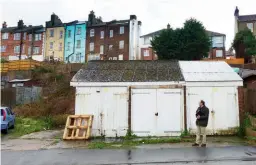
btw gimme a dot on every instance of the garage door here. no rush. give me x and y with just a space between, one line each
109 107
156 112
222 104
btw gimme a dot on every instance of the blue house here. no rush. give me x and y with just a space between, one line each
75 42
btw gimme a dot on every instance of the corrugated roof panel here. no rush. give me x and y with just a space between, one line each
208 71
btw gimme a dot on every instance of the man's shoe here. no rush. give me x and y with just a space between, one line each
195 145
203 145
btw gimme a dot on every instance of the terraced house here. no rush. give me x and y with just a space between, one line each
54 47
244 21
113 40
22 42
75 42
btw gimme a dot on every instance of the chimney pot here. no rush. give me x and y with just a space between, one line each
236 12
4 25
168 26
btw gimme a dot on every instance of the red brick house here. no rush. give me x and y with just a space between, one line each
114 40
22 42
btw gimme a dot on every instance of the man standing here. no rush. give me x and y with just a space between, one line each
202 115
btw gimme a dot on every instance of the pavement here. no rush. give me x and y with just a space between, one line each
46 147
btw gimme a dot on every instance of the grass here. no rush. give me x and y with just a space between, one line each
131 143
25 126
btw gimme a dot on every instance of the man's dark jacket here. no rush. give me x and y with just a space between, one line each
203 112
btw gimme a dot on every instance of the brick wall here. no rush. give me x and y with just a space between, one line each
241 100
148 56
106 41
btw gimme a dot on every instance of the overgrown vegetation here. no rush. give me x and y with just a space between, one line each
190 42
246 123
57 101
4 60
245 43
25 126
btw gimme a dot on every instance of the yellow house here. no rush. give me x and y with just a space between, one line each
54 45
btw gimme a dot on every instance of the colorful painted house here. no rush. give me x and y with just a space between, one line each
54 47
75 42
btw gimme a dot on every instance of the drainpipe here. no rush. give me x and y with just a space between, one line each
74 44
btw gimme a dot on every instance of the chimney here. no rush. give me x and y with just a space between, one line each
236 12
4 25
91 18
168 26
139 23
133 17
20 24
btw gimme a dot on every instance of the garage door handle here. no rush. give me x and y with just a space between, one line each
156 114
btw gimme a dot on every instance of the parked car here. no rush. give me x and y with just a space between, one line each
7 119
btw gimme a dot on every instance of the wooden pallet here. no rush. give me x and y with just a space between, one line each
78 127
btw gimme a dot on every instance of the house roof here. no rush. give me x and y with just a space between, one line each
211 33
205 71
113 22
245 73
153 33
27 29
129 71
246 18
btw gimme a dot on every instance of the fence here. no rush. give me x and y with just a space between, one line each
19 65
250 101
20 95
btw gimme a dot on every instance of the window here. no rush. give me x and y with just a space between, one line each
121 44
61 34
51 45
111 33
30 37
72 58
114 58
91 47
146 53
120 57
91 32
60 46
23 49
16 49
78 31
52 33
101 49
36 50
24 36
29 50
121 30
218 41
219 53
69 44
78 57
250 26
69 33
5 36
110 47
78 44
102 34
3 48
37 37
16 36
110 58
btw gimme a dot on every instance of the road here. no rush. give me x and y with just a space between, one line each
239 155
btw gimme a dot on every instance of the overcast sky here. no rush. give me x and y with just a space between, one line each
216 15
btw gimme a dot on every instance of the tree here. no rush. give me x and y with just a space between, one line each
244 44
188 43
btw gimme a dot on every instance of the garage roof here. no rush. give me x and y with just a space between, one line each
205 71
129 71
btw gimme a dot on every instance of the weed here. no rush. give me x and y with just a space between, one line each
184 133
129 135
4 60
25 126
97 145
246 123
